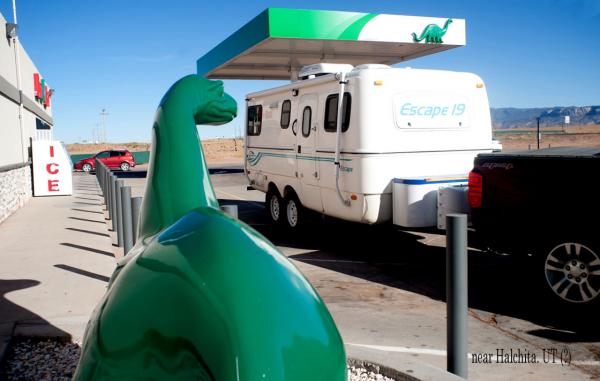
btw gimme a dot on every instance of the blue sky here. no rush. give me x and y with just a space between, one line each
123 55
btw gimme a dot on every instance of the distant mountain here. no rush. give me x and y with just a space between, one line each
550 116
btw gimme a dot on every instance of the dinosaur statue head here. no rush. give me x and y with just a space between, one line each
217 107
447 24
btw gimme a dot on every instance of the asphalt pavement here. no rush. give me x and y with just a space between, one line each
385 288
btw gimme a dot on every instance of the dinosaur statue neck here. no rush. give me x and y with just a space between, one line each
178 180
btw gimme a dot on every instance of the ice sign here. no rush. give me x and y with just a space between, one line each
430 111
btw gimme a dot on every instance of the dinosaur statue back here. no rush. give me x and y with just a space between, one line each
203 296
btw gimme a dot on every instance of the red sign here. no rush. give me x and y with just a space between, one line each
41 92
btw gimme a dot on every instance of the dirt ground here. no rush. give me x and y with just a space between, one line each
522 139
217 150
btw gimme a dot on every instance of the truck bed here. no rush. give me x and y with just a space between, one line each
530 198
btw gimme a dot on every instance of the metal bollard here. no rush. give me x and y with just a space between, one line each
231 210
104 187
97 176
113 201
119 215
456 293
136 207
126 218
106 193
102 180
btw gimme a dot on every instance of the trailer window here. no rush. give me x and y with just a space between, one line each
254 121
286 109
331 109
306 115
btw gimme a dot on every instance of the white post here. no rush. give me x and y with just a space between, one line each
340 114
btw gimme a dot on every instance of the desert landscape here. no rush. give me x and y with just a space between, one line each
525 138
232 150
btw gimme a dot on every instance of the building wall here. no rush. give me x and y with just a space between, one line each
15 145
15 190
11 141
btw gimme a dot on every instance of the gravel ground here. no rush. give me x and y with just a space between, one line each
56 361
363 374
41 361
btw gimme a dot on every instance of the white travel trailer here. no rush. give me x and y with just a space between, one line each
419 129
400 136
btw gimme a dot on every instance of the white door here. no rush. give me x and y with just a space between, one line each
306 154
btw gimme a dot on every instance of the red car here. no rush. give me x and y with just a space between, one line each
114 159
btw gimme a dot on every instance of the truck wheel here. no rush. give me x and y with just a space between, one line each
572 271
274 207
87 168
293 212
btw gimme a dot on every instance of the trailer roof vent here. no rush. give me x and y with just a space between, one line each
372 66
315 70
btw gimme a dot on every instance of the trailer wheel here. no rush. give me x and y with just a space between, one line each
293 212
572 272
274 206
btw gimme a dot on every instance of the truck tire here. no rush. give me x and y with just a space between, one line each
294 212
571 269
274 207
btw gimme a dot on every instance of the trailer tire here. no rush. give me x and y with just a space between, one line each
294 212
274 207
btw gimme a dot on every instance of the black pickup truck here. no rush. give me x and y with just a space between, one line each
544 204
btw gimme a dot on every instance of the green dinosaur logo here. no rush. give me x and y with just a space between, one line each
433 33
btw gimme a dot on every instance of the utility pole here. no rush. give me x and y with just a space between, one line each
103 115
15 41
539 135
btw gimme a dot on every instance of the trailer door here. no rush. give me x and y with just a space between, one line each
306 152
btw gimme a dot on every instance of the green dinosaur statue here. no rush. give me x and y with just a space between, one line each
433 33
202 296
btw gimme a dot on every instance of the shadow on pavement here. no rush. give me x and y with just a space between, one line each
86 248
225 170
87 211
86 273
88 232
13 313
140 174
87 220
131 174
385 254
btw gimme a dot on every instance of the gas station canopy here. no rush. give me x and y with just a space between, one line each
279 41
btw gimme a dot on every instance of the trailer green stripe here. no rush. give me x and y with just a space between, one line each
254 159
